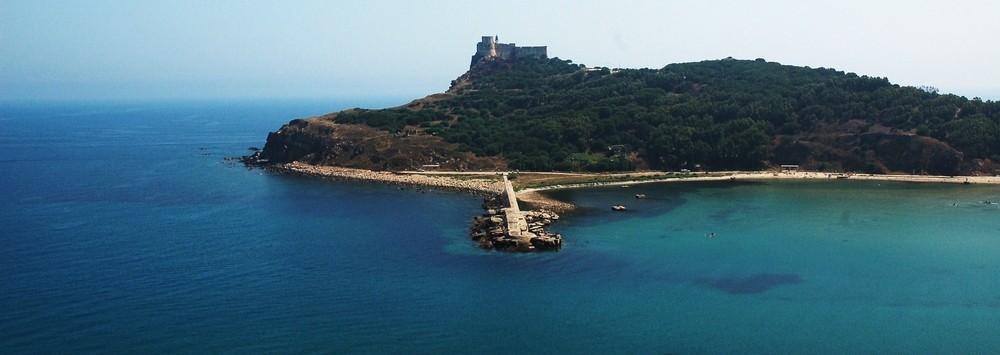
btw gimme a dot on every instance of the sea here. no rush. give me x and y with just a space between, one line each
123 230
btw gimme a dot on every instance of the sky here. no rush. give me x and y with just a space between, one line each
80 50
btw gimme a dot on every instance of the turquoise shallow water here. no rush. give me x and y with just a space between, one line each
123 231
811 266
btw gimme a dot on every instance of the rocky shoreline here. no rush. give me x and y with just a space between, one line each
476 186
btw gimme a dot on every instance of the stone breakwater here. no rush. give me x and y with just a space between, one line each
476 186
510 229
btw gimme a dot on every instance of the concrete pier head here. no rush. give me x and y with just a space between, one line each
513 229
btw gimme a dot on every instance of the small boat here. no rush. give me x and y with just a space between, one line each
640 196
617 208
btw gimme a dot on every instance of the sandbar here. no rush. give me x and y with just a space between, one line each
487 184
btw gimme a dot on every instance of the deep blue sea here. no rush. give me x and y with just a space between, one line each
123 231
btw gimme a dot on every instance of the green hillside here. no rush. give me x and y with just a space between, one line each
551 114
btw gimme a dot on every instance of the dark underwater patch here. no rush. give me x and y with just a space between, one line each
750 285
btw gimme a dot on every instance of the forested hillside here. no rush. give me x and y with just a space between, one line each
551 114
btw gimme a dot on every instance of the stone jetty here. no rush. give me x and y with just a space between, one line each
506 227
476 186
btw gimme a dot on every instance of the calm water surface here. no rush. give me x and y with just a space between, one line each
122 230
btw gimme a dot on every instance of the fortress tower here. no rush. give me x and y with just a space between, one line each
489 48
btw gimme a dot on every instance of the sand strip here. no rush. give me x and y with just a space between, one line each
533 196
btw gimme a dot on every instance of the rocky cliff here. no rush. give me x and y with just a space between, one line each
318 141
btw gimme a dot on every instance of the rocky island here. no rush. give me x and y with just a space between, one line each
516 109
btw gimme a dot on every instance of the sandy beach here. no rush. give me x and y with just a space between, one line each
532 195
540 201
767 175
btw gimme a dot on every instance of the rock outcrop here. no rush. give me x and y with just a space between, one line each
319 141
493 229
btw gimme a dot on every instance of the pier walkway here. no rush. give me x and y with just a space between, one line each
517 225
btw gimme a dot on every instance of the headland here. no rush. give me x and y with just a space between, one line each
517 110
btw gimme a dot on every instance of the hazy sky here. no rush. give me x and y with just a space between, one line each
345 49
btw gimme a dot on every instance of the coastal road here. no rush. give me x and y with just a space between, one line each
526 173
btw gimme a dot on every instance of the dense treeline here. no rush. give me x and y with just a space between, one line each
551 114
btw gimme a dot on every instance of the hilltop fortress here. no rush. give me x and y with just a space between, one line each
489 48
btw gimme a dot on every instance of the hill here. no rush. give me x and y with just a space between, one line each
550 114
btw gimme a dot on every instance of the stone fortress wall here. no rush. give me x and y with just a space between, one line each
489 48
541 51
